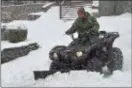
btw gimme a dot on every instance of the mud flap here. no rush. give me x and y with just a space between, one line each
106 72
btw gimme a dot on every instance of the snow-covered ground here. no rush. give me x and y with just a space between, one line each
48 31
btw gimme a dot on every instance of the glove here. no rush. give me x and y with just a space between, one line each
67 33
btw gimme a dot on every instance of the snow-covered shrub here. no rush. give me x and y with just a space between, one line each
17 32
17 35
4 33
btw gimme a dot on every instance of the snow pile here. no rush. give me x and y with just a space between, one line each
49 31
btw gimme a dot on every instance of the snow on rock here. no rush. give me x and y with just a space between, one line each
95 3
48 31
48 4
37 13
3 24
6 44
15 25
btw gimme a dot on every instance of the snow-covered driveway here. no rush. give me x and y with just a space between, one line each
48 31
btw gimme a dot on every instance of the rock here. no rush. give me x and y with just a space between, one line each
12 53
13 32
9 54
33 46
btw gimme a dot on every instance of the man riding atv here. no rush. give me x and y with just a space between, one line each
83 25
93 50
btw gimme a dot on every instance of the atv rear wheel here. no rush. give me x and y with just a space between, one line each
117 60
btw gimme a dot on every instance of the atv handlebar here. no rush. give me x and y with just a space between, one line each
106 34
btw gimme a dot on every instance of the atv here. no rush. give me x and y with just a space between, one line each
93 55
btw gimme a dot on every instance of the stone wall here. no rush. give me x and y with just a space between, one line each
19 12
107 8
123 6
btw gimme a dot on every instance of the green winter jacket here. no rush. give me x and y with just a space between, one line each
82 26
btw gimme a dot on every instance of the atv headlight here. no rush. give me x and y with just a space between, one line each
55 55
79 53
101 36
75 35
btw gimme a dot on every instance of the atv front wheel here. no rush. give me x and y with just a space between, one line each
57 50
117 60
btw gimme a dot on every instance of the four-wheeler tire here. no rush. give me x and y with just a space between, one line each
117 60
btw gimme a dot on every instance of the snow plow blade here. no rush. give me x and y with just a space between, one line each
42 74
